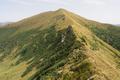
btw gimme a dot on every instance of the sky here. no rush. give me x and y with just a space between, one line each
105 11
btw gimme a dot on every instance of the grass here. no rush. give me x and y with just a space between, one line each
57 46
109 34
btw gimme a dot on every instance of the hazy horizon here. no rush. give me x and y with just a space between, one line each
105 11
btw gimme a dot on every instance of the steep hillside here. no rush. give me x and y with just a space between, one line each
57 45
108 33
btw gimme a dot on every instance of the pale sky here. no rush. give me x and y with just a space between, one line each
107 11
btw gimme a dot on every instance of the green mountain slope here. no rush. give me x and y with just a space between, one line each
57 45
108 33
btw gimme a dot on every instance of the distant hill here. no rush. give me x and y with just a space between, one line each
118 24
1 24
5 23
59 45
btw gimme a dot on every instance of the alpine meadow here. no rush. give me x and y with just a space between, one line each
59 45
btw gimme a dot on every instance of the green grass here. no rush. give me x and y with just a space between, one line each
58 46
109 34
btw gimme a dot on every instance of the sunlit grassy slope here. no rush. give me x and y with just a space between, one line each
59 45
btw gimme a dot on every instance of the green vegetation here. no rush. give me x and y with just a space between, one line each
110 34
59 45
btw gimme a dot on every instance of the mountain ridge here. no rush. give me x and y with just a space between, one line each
58 45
